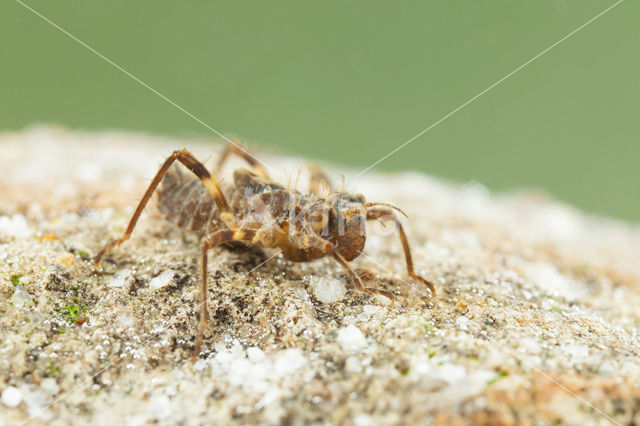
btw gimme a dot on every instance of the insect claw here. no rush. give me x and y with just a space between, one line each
388 296
96 263
426 283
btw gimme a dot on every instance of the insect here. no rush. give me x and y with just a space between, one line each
256 211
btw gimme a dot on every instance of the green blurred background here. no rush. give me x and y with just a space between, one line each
350 81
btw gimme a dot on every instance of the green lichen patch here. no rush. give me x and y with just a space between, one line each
52 369
500 375
15 279
75 313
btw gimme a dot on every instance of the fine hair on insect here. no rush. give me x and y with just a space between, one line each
255 211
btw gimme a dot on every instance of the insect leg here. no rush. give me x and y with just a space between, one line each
215 239
186 158
387 214
318 181
234 148
326 247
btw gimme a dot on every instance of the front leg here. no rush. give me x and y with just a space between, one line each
312 240
387 214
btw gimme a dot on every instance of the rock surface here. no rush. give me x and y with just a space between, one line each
535 319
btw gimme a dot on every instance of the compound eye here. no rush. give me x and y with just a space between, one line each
361 198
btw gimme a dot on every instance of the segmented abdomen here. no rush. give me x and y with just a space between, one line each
184 200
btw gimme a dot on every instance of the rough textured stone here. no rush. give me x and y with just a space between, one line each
535 318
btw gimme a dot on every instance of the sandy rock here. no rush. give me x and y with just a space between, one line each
11 396
535 319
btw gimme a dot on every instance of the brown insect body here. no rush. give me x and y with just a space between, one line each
260 204
255 211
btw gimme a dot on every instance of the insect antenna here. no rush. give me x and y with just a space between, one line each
367 205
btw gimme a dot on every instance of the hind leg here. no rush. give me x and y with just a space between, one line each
236 149
189 161
215 239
